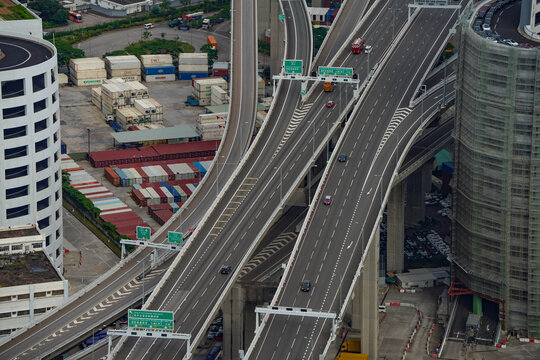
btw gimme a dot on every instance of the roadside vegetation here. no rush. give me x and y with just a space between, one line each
319 33
158 14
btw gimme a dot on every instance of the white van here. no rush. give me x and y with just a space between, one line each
148 26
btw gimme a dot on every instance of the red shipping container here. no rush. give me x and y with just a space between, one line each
142 173
112 176
168 171
162 196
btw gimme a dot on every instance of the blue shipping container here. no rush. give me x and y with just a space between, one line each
191 75
201 168
159 70
448 168
63 147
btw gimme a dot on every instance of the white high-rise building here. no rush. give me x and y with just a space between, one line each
30 171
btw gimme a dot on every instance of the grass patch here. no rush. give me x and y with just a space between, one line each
155 46
18 12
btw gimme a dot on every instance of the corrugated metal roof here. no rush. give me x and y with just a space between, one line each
175 132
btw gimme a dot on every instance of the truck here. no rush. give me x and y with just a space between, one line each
357 46
193 16
206 23
173 22
212 42
327 86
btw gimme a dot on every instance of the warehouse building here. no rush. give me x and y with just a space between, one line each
30 175
496 214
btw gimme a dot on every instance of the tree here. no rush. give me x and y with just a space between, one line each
146 35
185 2
66 51
212 54
50 10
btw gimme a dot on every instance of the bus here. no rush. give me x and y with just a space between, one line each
212 42
75 16
357 46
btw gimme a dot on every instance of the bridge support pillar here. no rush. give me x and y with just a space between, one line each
418 183
396 228
277 40
369 303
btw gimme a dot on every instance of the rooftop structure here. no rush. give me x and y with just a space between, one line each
17 19
171 135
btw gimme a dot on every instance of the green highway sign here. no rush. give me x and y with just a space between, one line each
175 237
293 67
335 71
303 92
143 233
281 16
150 319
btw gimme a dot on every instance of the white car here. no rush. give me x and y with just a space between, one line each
367 49
486 27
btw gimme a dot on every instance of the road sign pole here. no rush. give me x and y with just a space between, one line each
123 252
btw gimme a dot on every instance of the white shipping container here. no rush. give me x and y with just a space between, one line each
156 60
218 101
218 92
112 90
139 88
182 171
204 102
89 74
90 63
210 127
96 102
155 78
206 84
128 78
155 104
185 68
86 82
216 135
62 79
124 72
201 94
121 101
193 59
122 62
213 117
96 92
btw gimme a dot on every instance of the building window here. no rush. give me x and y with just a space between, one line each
40 125
38 82
56 176
15 132
14 112
57 214
43 224
53 98
40 105
14 153
42 165
12 88
55 157
54 118
17 192
42 145
43 204
48 240
57 195
55 137
14 173
58 232
42 185
58 252
17 212
53 76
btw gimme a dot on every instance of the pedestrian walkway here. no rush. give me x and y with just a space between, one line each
86 257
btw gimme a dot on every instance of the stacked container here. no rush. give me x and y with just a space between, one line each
150 108
87 71
202 88
125 67
219 96
192 66
221 69
129 116
96 97
212 126
157 68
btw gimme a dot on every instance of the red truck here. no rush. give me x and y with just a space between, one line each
357 46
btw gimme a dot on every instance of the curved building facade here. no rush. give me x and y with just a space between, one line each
30 169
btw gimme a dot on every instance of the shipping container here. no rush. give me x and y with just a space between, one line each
206 84
191 75
86 82
193 59
89 74
193 69
159 70
156 60
89 63
220 69
122 62
156 78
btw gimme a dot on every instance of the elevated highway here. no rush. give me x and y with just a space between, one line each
109 296
335 238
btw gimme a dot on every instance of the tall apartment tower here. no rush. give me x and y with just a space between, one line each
30 171
496 215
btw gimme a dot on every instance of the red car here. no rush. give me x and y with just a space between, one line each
330 104
327 200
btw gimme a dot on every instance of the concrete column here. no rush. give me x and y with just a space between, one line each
369 306
396 228
233 323
417 184
31 305
277 45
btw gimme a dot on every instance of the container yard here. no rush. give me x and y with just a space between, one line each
87 71
212 126
112 209
218 96
202 88
192 66
125 67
